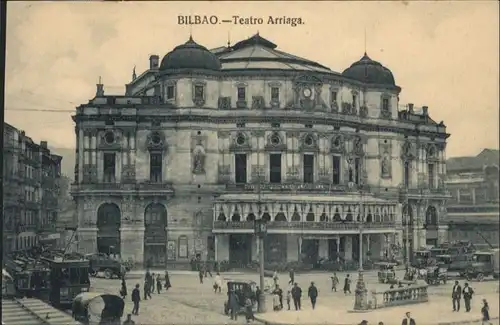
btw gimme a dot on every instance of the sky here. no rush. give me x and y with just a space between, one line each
444 55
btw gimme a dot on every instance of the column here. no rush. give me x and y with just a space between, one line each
338 248
93 146
383 245
216 240
118 168
132 243
368 246
292 243
80 155
348 248
86 147
100 166
300 248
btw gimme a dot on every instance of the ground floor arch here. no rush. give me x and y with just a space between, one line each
108 229
155 234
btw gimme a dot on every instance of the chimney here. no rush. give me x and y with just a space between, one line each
43 144
154 61
410 108
425 110
100 89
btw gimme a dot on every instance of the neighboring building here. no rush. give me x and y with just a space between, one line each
200 143
30 176
473 211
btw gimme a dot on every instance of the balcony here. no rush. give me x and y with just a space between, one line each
120 187
298 226
288 187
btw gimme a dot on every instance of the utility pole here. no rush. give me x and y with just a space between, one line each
260 229
361 212
407 228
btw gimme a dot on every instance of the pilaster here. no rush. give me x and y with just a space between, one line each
132 243
348 248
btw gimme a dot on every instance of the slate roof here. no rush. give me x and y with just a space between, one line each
485 158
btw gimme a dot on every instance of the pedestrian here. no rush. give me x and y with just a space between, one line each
279 292
288 297
233 304
123 289
147 290
129 320
200 274
158 284
292 276
136 298
296 295
258 293
347 284
152 283
275 278
167 281
312 293
408 320
467 293
335 281
207 269
485 311
249 310
456 295
217 283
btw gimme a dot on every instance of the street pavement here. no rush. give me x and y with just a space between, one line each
189 302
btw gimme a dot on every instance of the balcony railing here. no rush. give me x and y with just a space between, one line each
249 225
291 187
146 186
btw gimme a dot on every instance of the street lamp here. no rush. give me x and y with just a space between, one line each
361 212
260 229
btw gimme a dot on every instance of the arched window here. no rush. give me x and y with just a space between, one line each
155 214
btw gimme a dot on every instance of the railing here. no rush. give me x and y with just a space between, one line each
249 225
413 294
146 186
284 187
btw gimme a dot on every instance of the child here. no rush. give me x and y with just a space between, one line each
249 310
276 302
288 298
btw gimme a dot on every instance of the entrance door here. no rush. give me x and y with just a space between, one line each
310 251
332 249
240 249
154 255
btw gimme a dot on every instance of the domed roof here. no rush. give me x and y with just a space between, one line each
190 55
371 72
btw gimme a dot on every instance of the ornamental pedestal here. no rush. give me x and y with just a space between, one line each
361 300
132 244
87 240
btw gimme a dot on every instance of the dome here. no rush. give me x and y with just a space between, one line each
371 72
190 55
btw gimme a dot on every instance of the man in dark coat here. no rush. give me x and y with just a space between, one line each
296 295
233 304
467 293
408 320
136 298
201 274
456 295
258 293
292 276
347 284
313 294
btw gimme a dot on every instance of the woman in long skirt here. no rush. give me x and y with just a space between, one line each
167 281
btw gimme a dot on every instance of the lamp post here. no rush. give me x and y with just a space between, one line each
260 228
361 212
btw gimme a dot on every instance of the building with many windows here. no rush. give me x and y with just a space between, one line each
30 175
473 211
205 141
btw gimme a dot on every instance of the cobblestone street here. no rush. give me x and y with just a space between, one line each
189 302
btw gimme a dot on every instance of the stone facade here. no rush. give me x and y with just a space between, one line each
473 209
183 138
31 174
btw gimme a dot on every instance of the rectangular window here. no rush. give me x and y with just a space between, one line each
308 126
333 99
336 170
431 171
155 167
357 171
308 169
240 125
109 167
199 92
354 100
406 174
275 168
241 93
275 125
385 104
170 92
275 94
240 169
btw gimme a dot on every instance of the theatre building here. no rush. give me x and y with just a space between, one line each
206 141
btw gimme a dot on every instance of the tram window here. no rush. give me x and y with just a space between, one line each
79 275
